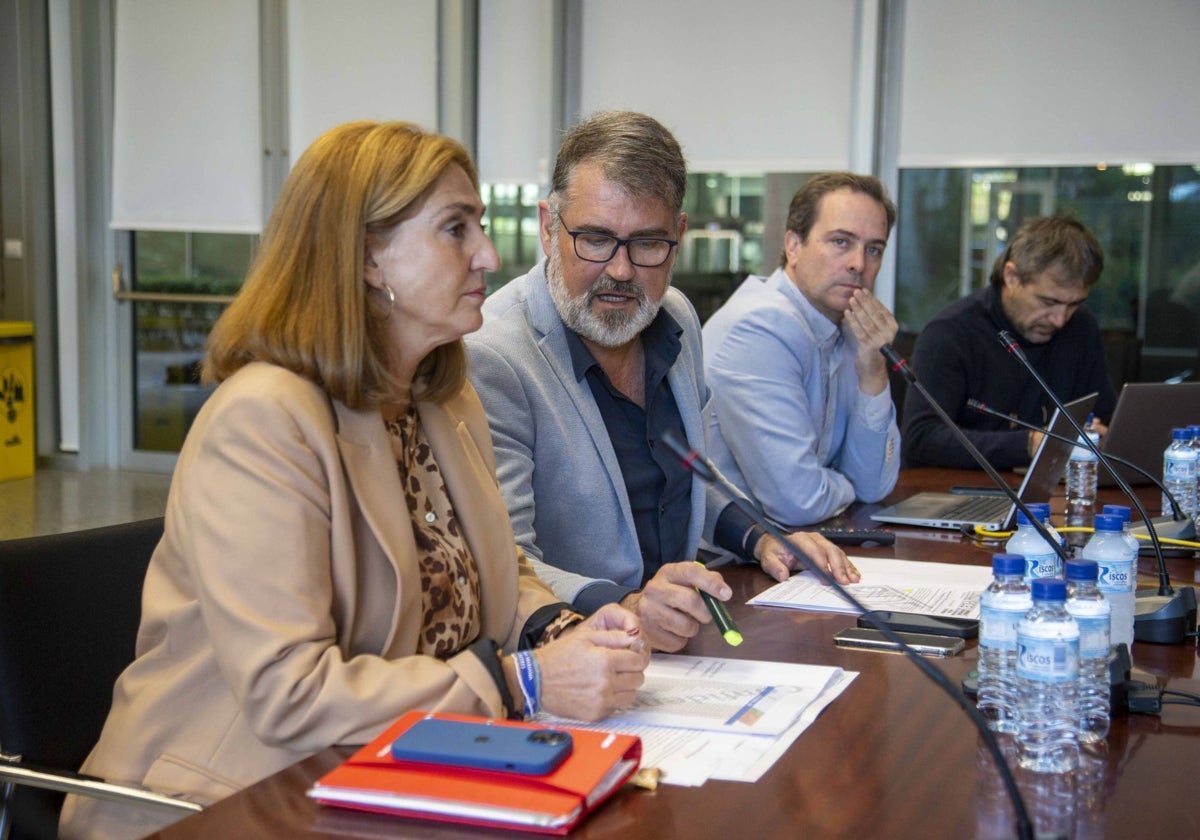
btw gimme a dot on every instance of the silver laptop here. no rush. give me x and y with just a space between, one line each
1141 425
950 510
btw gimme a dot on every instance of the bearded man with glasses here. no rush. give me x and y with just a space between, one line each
583 363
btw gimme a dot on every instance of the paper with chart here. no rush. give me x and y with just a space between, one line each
703 717
911 586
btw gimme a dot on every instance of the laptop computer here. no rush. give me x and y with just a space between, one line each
950 510
1141 425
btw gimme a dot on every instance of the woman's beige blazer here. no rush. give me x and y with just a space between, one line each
281 609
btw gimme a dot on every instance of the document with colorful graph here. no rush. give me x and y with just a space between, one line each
725 695
704 718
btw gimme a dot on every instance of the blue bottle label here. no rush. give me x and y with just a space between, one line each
1179 469
1048 660
998 627
1093 636
1042 565
1116 575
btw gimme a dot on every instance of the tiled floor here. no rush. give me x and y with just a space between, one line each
63 500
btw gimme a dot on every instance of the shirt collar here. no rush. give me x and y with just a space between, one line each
822 329
660 343
995 308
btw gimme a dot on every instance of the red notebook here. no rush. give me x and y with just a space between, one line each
371 780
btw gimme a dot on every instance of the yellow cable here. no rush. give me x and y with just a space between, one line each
985 534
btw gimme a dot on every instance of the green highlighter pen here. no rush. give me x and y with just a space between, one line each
721 616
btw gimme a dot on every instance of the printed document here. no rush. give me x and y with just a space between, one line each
944 589
705 717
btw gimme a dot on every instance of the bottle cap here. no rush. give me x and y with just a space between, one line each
1022 519
1082 570
1042 509
1008 564
1049 589
1179 434
1117 510
1108 522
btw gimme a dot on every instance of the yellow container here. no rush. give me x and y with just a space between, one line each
16 400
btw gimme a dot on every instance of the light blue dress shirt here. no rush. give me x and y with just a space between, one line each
789 425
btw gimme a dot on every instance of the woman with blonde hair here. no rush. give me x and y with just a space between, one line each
336 550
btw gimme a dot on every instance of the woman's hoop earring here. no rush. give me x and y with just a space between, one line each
391 302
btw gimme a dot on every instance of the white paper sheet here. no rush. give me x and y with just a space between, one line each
690 756
911 586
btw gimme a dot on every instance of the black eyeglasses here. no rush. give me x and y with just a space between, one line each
644 252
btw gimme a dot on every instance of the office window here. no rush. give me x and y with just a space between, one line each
954 222
512 224
169 335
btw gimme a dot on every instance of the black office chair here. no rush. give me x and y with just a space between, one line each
69 611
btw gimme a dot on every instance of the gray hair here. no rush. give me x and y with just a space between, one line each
635 152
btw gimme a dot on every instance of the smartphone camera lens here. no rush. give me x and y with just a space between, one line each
549 736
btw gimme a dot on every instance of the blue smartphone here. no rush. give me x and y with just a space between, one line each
484 746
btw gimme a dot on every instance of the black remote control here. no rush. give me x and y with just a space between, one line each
857 536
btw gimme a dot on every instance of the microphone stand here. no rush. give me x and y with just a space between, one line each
1186 530
1168 615
700 466
900 366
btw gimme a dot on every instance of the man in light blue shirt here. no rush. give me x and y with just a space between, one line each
802 417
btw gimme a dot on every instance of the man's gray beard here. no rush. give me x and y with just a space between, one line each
608 329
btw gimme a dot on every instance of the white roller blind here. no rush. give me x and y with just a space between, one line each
749 86
515 91
187 153
360 60
1026 82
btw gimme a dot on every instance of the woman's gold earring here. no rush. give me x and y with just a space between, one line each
391 302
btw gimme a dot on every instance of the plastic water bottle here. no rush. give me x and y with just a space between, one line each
1092 612
1047 680
1041 560
1179 473
1001 606
1194 430
1130 540
1118 574
1042 509
1081 482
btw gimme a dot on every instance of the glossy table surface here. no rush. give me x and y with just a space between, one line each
893 756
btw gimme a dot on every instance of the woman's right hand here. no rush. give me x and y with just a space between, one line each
596 667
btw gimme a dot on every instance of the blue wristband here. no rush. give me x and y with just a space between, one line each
529 674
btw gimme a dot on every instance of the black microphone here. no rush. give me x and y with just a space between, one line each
1186 527
1167 617
707 472
900 366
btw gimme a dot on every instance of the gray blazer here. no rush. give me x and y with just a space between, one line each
558 472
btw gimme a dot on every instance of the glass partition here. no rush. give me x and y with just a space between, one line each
169 335
953 223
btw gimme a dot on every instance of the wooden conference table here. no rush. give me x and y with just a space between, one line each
893 756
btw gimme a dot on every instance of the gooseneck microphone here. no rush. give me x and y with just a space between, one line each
704 469
900 366
1185 530
1167 617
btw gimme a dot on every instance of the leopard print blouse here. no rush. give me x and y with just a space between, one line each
450 594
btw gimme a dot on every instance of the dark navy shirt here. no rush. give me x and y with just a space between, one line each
658 486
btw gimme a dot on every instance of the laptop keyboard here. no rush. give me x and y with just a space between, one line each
978 509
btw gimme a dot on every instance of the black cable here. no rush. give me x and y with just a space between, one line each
700 466
1181 703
